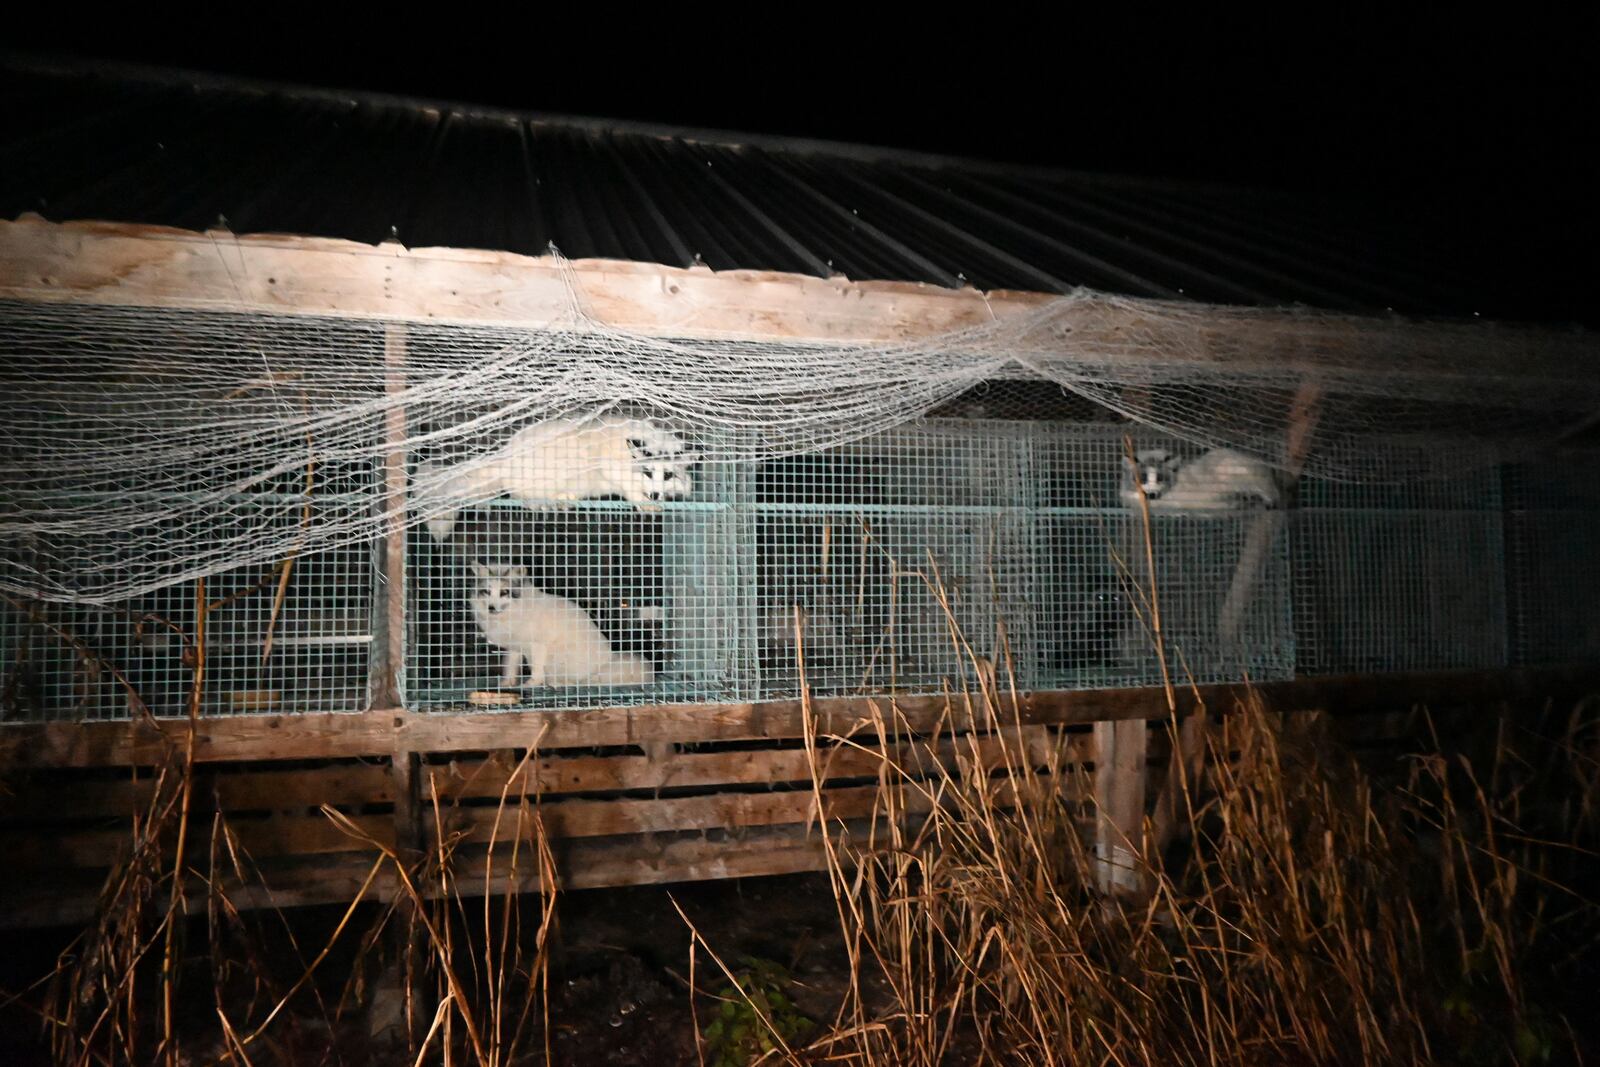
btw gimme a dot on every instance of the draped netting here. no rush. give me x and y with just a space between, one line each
142 447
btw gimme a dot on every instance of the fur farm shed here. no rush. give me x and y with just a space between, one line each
354 447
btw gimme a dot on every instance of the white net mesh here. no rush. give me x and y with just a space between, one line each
142 448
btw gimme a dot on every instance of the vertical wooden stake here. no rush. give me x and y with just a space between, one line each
391 649
1303 416
388 661
1187 763
1119 788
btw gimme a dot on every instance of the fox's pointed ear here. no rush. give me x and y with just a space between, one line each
480 569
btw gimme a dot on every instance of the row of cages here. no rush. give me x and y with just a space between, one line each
905 562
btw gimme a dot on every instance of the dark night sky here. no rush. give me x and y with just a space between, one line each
1373 107
1482 127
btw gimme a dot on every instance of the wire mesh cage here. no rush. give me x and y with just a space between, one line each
907 561
1553 530
292 636
901 561
561 553
637 606
1207 573
183 555
1403 575
559 578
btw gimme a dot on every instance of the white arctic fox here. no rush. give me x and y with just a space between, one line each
564 459
1218 481
561 643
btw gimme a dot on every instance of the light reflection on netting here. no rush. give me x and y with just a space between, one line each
697 511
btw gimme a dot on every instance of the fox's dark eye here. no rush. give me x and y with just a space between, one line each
667 476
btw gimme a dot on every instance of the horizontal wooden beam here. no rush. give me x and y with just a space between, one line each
70 796
380 732
69 898
616 816
122 264
149 266
283 835
556 775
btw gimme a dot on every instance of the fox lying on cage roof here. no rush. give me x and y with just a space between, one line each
563 459
1218 481
561 644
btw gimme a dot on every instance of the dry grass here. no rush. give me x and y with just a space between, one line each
472 967
1314 916
1291 907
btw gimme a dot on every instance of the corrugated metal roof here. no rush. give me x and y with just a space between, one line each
187 150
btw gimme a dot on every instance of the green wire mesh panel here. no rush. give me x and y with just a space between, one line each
1224 609
274 642
907 561
901 562
528 602
646 608
910 560
884 601
1400 577
169 445
290 634
1553 529
1220 577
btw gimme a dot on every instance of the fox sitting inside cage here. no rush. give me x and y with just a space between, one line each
535 580
560 642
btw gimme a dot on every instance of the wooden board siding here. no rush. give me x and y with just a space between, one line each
732 795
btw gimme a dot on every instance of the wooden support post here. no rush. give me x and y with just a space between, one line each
389 663
1188 757
1119 788
1303 415
389 650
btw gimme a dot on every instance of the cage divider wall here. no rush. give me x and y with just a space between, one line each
702 597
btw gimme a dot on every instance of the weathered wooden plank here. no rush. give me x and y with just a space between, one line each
332 735
68 898
109 263
254 790
148 266
615 816
281 835
312 735
303 835
594 774
1120 777
377 733
66 894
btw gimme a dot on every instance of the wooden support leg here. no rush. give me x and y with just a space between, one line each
1119 788
1303 416
1188 757
398 984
